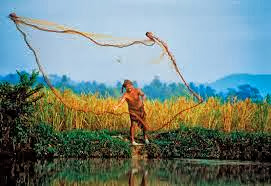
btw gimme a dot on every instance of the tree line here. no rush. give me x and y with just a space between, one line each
156 89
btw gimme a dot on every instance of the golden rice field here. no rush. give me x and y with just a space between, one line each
239 115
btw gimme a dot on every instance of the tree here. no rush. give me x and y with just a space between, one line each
243 92
16 109
268 99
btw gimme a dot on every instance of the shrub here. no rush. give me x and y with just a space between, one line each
16 111
78 143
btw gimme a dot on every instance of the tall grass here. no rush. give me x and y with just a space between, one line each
213 114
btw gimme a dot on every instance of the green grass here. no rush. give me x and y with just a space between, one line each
185 142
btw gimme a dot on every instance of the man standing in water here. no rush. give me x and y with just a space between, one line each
134 97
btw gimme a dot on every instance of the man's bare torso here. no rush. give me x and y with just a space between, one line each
133 99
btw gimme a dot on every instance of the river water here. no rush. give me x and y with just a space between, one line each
135 172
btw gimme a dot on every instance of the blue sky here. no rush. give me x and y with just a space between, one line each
209 38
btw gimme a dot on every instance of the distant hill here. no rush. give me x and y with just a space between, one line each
261 82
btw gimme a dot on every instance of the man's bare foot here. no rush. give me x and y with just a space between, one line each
136 144
147 141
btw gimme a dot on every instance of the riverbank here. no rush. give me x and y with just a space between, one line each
204 143
198 143
22 136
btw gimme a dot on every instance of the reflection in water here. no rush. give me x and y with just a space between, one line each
134 172
137 168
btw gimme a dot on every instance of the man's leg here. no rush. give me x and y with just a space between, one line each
131 178
144 133
145 137
144 178
143 128
132 131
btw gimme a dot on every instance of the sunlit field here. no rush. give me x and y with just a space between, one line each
212 114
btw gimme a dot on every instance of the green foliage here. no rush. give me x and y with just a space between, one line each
45 139
186 142
16 110
210 144
268 99
78 143
17 107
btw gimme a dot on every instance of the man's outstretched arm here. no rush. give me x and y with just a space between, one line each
121 101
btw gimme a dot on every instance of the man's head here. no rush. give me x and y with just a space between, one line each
128 85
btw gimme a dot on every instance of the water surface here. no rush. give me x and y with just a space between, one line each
135 172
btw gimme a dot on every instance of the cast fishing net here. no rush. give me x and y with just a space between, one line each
139 59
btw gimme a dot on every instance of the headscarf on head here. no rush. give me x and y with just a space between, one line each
125 83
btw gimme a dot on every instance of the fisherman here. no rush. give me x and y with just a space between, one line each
134 97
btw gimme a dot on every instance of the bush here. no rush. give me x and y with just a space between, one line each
16 111
210 144
78 143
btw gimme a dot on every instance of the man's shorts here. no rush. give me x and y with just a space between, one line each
140 113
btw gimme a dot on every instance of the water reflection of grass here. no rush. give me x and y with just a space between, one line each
127 171
81 171
205 172
158 172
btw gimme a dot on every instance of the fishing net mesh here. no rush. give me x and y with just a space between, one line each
58 49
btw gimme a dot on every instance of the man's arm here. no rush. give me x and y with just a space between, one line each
121 101
141 93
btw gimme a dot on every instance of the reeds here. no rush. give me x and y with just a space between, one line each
213 114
